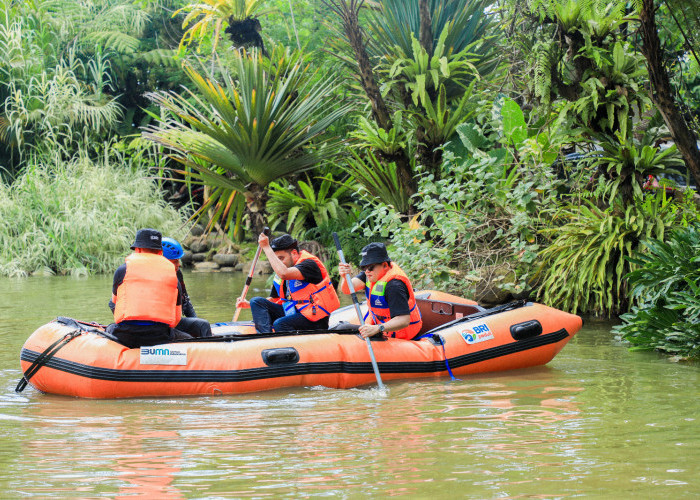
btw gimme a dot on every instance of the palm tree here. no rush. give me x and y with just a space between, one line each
416 60
237 136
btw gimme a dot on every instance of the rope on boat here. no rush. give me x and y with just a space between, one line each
44 358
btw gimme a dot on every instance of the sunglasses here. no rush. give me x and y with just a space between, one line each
369 268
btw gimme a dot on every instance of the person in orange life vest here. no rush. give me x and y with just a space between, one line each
189 323
146 296
393 310
302 296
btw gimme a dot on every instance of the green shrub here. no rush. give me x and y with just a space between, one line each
303 206
666 285
78 216
475 228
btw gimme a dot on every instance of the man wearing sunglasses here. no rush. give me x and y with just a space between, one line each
392 304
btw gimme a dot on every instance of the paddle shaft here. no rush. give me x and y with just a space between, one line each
348 280
249 279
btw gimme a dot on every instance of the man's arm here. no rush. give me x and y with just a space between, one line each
284 272
358 282
187 307
116 281
396 295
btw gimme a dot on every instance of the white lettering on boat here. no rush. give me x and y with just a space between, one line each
476 334
163 356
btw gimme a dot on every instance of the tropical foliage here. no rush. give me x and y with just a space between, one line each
206 18
584 267
475 230
666 287
418 77
303 206
72 73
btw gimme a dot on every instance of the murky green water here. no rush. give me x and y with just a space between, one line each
597 422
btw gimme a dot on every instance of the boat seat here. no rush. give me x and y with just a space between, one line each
438 312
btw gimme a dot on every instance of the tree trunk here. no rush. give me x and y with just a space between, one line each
662 94
351 26
256 202
426 27
348 12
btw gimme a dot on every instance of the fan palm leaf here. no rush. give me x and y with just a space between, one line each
262 124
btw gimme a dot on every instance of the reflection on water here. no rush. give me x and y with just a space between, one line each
598 421
423 436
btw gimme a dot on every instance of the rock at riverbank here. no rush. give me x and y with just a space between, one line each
216 253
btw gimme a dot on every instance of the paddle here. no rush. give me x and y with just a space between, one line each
348 279
249 279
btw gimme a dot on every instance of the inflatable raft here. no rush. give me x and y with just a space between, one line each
73 358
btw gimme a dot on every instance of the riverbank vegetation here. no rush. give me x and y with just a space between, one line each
503 149
78 216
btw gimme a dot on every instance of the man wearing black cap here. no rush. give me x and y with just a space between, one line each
146 296
393 310
302 296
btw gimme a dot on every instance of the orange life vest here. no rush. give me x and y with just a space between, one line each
314 301
379 306
149 291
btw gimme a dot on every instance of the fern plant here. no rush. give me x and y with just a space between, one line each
666 285
591 250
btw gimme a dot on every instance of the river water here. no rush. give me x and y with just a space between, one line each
596 422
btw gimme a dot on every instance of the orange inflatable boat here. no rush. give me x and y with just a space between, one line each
77 359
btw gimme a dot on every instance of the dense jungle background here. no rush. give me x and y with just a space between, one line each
503 149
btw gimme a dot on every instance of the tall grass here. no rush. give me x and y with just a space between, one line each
78 216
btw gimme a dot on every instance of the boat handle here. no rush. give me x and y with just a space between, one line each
280 356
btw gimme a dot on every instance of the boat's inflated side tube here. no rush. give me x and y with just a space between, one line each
280 356
526 329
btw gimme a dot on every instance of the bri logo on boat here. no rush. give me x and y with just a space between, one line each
476 334
163 356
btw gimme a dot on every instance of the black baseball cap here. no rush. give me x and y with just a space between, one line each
148 238
374 253
284 242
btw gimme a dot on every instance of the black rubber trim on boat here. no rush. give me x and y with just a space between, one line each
295 369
